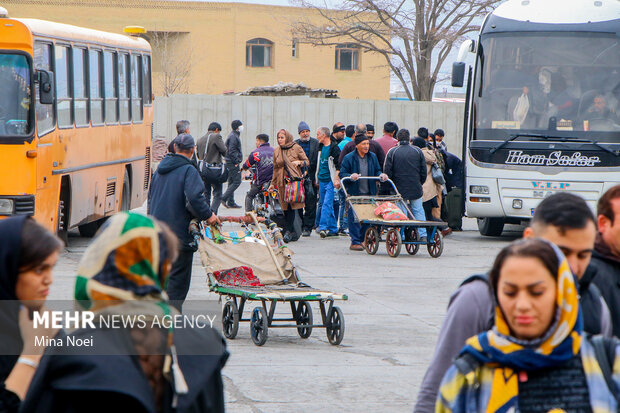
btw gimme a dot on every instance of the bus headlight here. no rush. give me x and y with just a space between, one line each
479 189
6 207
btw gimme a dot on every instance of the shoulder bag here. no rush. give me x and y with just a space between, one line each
294 192
213 173
437 174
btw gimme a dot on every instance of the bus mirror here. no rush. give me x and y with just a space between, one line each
458 74
46 87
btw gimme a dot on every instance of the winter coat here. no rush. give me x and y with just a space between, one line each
176 196
233 146
406 166
216 148
607 279
70 381
374 148
351 165
454 172
262 159
288 154
312 154
430 188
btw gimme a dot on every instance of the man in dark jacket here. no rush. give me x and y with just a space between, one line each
211 149
606 255
176 196
234 157
329 182
358 164
261 159
406 166
310 146
563 219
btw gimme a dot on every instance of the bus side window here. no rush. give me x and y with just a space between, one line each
45 113
124 87
80 87
63 87
146 80
110 70
136 88
96 95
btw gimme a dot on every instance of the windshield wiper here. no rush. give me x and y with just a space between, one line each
515 136
593 142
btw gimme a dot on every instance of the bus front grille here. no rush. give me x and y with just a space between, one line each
24 205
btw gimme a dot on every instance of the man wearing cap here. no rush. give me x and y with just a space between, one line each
310 146
370 130
176 196
234 157
356 164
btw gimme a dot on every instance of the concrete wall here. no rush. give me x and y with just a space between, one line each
269 114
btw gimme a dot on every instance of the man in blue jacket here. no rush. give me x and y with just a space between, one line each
357 164
176 196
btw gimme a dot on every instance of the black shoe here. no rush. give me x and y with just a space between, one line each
323 233
331 234
287 237
343 232
233 205
306 233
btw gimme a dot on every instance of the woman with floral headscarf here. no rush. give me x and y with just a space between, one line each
142 368
536 358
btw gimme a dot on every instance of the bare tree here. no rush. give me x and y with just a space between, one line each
414 36
171 61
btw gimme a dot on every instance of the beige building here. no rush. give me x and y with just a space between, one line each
222 48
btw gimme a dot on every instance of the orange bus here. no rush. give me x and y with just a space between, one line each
76 116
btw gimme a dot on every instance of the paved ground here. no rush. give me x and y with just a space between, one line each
394 311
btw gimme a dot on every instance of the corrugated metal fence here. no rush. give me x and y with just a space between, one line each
269 114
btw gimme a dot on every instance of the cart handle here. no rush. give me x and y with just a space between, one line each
370 178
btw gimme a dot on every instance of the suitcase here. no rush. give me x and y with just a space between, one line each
454 205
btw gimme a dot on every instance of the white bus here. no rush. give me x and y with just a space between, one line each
542 113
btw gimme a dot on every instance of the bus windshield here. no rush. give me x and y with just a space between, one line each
551 84
15 96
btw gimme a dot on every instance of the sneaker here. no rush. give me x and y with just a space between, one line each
356 247
323 233
331 234
343 232
306 233
233 206
287 237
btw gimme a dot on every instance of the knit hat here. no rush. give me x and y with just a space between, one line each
302 126
359 138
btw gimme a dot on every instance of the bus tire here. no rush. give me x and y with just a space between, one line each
89 230
126 194
491 227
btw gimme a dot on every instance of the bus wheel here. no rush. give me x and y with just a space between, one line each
491 227
126 194
89 230
62 222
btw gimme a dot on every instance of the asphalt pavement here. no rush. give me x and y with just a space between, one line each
392 317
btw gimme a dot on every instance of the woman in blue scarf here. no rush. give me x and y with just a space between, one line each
536 358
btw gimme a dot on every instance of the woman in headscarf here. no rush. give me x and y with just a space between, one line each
146 367
28 252
536 358
288 160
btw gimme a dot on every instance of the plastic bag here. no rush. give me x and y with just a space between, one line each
390 212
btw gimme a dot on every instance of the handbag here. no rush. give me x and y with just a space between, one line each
437 174
293 188
308 185
213 173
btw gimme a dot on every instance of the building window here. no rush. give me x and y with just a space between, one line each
295 46
258 53
347 57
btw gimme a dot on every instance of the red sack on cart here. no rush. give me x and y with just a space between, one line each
238 277
390 212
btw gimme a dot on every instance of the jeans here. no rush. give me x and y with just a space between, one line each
217 195
328 219
250 195
342 224
418 213
234 180
357 231
179 279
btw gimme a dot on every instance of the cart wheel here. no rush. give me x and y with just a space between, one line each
304 319
230 319
258 326
436 248
393 242
412 249
371 240
335 331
